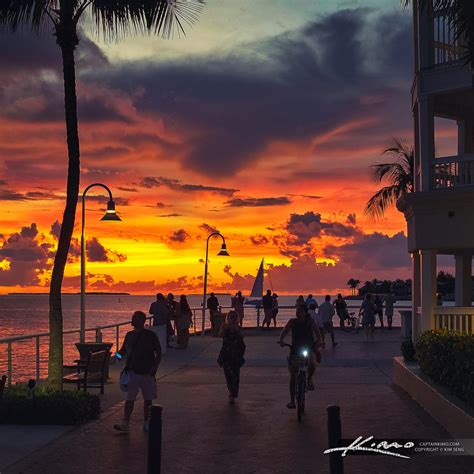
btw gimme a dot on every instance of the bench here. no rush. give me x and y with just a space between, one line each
89 373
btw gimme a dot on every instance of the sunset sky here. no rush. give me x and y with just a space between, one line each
262 123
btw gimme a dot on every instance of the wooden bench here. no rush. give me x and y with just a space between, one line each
89 373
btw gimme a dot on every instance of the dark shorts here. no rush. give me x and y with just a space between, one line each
327 326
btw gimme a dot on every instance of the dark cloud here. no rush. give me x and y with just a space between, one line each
179 236
209 229
128 190
160 205
259 239
27 256
119 201
351 219
306 196
170 215
373 252
258 202
297 89
96 252
177 185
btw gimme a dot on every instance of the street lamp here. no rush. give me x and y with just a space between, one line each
110 215
223 253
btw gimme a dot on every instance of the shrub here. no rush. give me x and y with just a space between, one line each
408 351
448 358
48 407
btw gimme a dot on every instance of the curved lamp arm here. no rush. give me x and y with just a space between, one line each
84 200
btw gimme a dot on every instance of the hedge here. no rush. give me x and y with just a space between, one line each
448 358
47 407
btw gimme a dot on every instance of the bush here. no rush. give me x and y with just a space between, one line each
408 351
48 407
448 358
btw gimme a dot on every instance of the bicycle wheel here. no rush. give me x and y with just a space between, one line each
349 324
300 394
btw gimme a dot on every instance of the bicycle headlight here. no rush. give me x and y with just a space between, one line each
305 353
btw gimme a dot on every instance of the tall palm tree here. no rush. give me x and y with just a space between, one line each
353 285
460 14
115 18
398 173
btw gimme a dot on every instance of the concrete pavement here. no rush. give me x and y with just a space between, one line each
203 434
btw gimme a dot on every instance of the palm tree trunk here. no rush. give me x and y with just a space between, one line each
67 40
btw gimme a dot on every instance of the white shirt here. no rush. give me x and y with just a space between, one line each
326 312
315 317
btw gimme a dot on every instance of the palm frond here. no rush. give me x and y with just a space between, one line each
381 201
15 14
165 17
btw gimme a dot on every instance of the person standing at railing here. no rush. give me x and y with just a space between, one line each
143 351
267 303
160 311
341 309
379 309
173 313
183 322
275 309
238 304
213 306
389 301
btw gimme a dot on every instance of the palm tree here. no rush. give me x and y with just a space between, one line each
398 173
353 284
115 18
460 14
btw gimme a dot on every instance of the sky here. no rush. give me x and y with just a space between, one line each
261 123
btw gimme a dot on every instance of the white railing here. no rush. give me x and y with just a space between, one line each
454 318
35 358
453 171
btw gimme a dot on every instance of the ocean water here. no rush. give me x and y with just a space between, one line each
28 314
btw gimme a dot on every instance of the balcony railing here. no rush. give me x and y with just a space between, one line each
448 47
455 318
453 171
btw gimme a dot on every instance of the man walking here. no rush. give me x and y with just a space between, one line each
326 312
143 351
238 305
267 303
160 311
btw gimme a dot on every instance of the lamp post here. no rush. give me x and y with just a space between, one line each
223 252
110 215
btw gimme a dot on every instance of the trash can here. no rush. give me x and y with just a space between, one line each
406 323
85 347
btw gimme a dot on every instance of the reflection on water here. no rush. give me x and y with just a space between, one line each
28 314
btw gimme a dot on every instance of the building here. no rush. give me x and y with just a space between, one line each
440 211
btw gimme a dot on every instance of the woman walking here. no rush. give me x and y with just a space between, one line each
183 322
231 356
368 310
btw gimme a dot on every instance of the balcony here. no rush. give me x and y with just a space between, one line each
453 171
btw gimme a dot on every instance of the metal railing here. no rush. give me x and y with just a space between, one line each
254 319
454 318
453 171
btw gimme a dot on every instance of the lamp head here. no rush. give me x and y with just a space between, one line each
111 213
223 252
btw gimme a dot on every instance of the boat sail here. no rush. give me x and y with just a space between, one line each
257 289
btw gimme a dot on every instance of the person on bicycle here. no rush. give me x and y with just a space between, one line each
305 335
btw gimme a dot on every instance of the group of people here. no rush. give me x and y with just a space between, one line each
144 347
170 316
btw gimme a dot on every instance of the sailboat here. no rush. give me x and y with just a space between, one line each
257 289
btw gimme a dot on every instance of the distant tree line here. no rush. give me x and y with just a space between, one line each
400 288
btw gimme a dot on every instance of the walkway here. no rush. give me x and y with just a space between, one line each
202 434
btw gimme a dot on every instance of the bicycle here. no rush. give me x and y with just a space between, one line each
301 362
352 323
